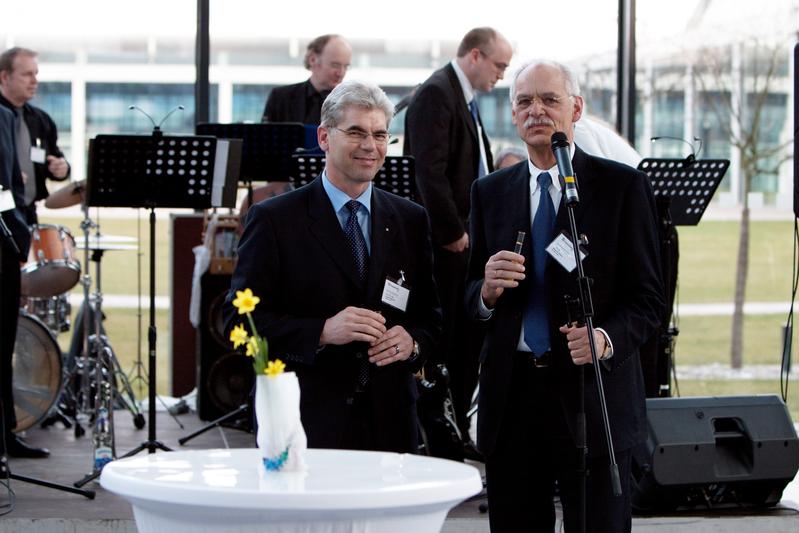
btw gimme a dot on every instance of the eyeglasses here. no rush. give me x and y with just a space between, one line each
358 135
502 67
549 101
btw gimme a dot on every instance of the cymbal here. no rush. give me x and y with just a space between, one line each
105 246
67 196
104 239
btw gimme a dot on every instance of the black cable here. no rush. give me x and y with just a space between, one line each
675 323
787 340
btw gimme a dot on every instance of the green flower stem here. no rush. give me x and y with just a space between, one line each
261 357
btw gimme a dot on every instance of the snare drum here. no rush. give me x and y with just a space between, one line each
53 311
37 371
52 268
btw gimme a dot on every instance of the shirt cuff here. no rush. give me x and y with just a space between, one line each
483 312
608 353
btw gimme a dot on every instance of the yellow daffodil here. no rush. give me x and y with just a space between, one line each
239 336
273 368
245 301
252 346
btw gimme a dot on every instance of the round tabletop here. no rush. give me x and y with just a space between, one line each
337 480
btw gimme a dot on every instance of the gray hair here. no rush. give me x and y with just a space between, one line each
572 85
510 151
367 96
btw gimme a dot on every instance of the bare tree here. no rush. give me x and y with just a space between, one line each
738 83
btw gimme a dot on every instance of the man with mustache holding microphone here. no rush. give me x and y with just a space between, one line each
529 363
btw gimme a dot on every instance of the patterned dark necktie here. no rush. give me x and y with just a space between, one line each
481 167
360 254
352 230
536 317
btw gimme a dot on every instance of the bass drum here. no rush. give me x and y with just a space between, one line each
37 371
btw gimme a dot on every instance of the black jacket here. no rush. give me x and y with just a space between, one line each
43 133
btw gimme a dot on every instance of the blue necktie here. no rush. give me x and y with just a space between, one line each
536 317
355 239
473 109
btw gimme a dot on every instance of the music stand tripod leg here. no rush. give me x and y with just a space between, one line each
240 410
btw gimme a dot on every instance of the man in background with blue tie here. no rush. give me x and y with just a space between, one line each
444 133
344 272
531 355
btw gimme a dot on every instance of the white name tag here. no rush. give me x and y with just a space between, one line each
562 251
6 200
395 295
38 155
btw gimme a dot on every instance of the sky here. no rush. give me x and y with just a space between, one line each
559 30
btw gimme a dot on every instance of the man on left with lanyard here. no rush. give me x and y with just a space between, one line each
344 272
35 133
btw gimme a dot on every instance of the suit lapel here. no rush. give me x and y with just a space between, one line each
460 102
327 230
586 185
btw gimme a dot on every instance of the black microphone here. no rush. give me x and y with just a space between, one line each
560 147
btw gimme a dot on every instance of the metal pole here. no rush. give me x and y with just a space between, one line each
202 57
625 71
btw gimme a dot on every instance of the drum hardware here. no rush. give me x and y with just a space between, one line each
100 380
53 311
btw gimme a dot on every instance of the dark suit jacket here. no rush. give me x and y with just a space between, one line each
616 213
43 129
11 179
289 103
441 135
294 256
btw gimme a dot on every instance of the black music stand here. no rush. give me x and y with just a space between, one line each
683 189
397 175
266 148
158 171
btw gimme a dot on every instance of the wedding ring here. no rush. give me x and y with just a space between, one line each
396 349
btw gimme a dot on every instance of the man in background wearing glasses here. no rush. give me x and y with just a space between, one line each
443 131
344 272
328 58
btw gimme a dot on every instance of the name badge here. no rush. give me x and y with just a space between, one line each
6 200
38 155
562 251
396 293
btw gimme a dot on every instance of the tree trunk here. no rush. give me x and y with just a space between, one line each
741 270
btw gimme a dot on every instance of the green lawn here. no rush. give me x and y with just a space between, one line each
708 254
739 388
122 269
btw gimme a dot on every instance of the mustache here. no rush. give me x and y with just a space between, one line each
538 121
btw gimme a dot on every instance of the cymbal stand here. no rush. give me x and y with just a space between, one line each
138 372
107 371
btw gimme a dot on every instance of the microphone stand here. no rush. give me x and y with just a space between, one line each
587 313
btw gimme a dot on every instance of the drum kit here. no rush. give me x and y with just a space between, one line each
48 385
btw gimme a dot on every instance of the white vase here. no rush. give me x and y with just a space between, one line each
281 437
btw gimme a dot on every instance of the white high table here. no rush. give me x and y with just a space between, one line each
342 491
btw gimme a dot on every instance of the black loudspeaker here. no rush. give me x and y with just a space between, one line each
709 451
224 375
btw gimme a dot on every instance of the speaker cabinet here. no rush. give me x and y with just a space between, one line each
712 451
224 376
